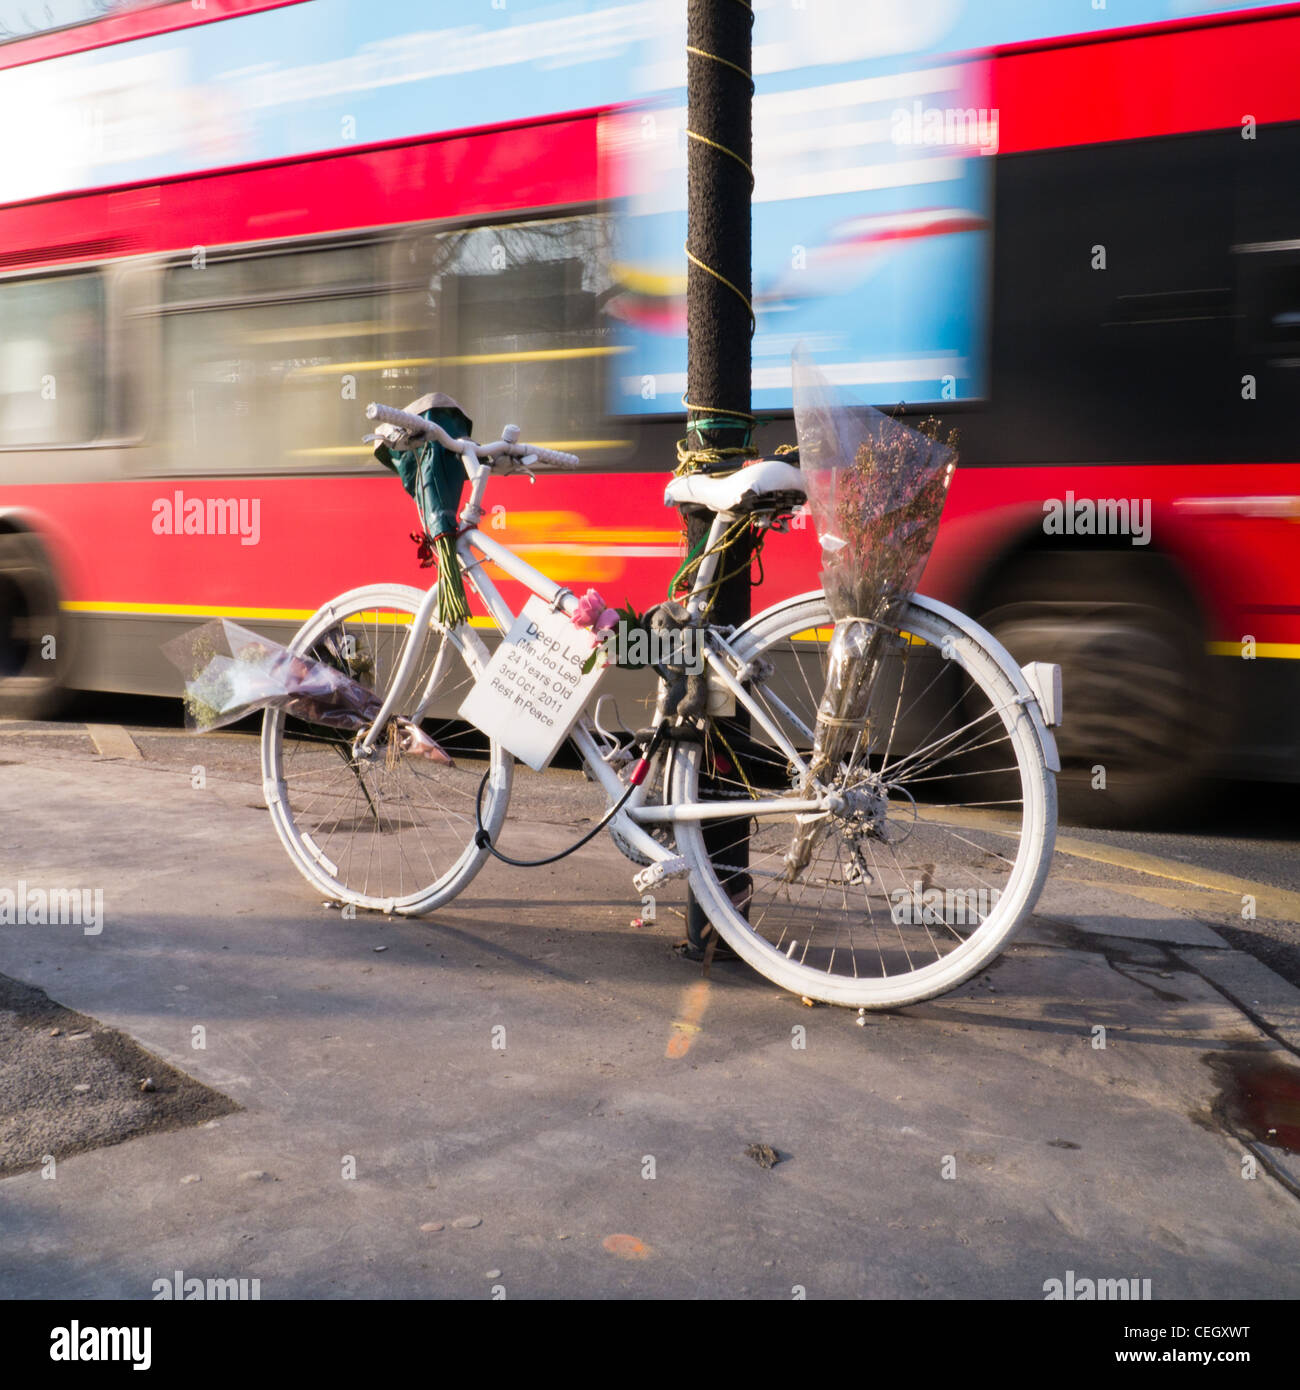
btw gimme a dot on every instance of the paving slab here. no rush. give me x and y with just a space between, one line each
1256 989
1091 907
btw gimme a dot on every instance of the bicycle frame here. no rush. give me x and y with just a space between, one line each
475 550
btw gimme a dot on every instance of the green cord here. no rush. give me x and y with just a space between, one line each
682 568
695 559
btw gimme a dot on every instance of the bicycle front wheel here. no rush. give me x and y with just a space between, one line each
391 832
945 826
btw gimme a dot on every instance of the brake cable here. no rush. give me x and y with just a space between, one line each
483 840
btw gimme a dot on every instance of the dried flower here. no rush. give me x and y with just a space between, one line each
876 490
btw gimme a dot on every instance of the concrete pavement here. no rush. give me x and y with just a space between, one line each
979 1145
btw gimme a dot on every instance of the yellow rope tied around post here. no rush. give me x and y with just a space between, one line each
726 62
693 460
696 460
685 577
695 260
715 145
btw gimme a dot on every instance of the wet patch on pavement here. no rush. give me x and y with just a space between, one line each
1259 1103
1260 1095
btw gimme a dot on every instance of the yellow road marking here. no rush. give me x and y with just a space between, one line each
1206 898
1277 903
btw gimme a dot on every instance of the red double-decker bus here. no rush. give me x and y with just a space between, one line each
184 359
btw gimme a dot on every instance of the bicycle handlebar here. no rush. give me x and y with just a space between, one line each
419 430
557 458
415 425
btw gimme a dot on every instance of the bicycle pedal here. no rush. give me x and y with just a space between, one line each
657 872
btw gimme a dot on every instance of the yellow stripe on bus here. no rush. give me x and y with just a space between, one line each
572 446
362 328
186 610
480 359
1285 651
641 281
1277 651
201 610
824 634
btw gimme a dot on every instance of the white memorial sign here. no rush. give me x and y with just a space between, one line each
533 689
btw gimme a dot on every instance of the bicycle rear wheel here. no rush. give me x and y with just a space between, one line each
391 832
945 832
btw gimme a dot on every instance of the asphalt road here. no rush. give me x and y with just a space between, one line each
1248 831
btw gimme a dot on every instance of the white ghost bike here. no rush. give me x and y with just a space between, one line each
932 843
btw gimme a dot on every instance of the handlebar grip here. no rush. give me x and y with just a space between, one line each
389 415
555 457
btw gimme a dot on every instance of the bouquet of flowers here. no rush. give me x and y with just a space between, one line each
435 476
231 671
876 488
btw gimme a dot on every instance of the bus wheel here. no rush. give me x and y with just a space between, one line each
1138 736
32 634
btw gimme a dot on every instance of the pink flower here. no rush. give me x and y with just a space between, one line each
591 612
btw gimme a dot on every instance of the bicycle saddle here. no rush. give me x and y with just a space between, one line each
743 490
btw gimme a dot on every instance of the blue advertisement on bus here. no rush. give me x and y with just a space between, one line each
872 147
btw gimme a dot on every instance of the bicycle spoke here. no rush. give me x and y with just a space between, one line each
394 827
903 878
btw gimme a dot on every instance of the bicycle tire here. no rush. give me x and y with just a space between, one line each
744 902
392 833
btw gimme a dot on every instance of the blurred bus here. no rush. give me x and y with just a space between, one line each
238 223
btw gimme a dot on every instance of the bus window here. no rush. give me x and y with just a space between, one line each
51 355
509 320
1270 301
265 358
